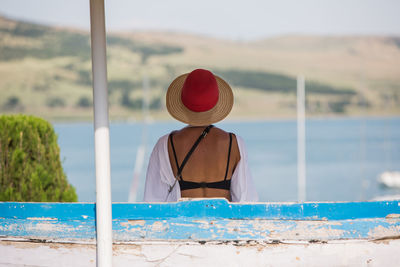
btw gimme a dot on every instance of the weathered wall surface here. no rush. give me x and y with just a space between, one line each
205 232
206 220
338 253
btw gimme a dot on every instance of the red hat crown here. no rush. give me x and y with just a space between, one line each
200 91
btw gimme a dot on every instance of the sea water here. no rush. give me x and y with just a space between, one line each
344 156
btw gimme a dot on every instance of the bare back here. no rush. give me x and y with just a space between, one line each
208 163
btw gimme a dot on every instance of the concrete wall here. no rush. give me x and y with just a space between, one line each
338 253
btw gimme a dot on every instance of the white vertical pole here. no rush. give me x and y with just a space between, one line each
101 134
301 147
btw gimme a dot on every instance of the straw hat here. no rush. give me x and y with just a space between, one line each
199 98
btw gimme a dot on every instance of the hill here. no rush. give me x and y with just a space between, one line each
46 71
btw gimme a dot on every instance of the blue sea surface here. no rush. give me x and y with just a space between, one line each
344 156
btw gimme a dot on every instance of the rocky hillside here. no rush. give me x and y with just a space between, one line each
47 71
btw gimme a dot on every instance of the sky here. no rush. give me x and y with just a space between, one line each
229 19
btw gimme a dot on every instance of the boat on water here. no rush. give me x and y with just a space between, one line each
390 179
386 198
204 231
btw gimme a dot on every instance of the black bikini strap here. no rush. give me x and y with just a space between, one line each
203 134
173 149
229 155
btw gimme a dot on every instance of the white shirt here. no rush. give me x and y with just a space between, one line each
160 178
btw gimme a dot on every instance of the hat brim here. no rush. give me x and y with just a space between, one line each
180 112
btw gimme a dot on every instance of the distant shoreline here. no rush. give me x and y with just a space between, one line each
227 120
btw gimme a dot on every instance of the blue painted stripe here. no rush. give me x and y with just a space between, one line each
61 211
214 208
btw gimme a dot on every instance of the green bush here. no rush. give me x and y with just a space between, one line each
127 102
155 103
84 102
12 103
30 166
55 102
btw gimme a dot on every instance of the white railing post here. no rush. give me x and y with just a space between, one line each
101 134
301 140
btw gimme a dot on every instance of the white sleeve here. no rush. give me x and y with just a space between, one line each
242 186
156 188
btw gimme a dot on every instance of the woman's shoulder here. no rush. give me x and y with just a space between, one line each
161 142
163 138
220 131
223 132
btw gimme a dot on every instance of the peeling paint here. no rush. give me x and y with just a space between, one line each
381 231
393 216
134 223
159 226
206 220
42 226
41 219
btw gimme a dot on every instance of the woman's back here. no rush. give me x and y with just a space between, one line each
209 161
183 164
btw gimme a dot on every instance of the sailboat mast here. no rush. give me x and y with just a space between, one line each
301 146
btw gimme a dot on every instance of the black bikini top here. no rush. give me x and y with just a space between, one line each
185 185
